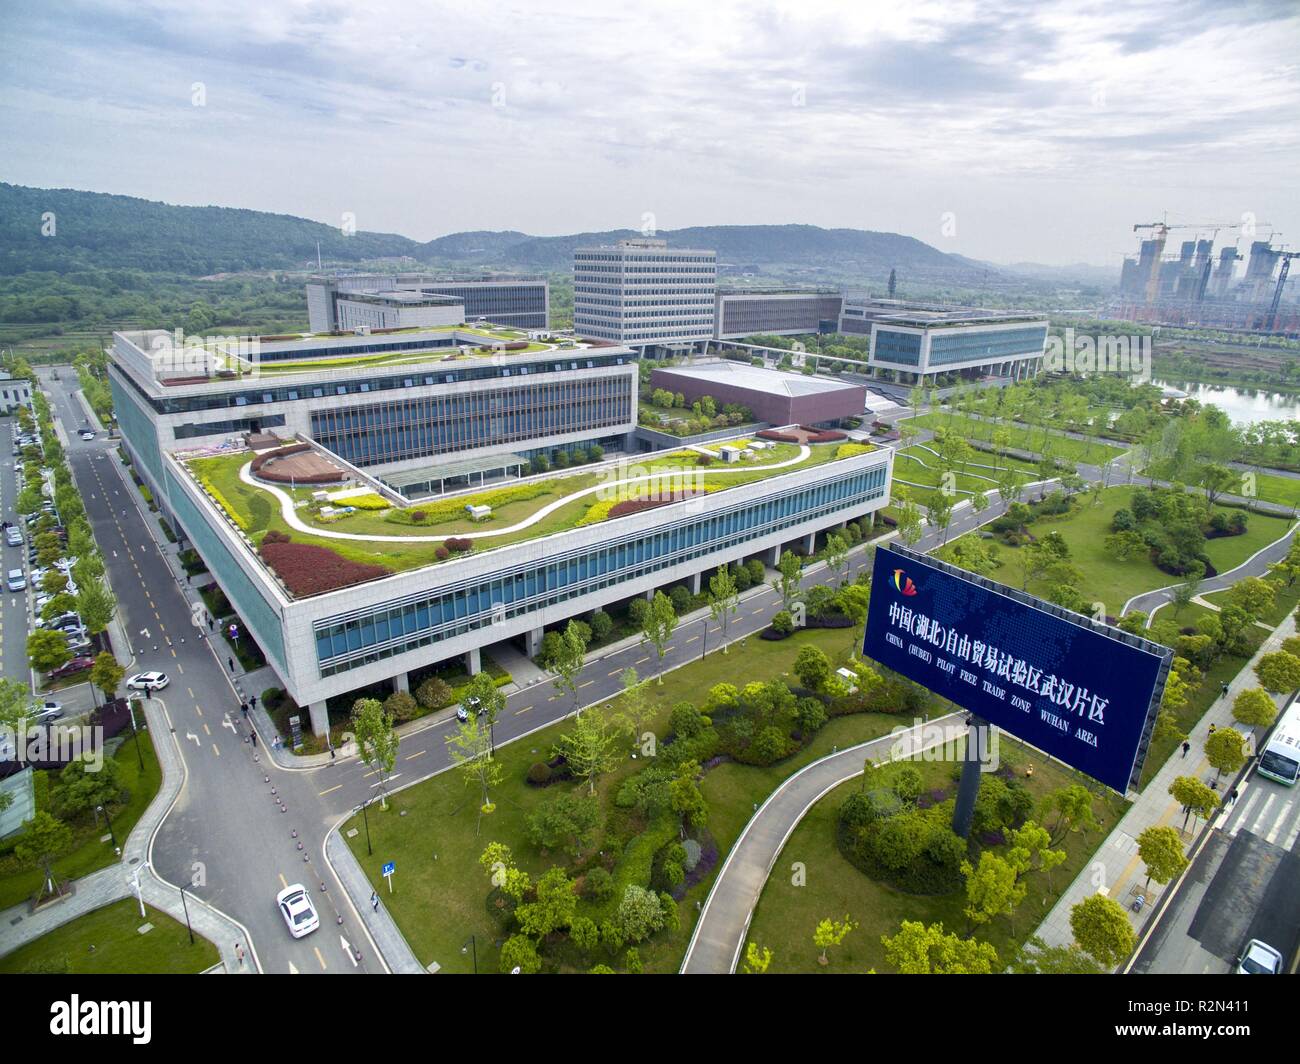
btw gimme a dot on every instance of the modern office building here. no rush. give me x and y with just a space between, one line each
14 392
645 294
918 344
457 408
742 312
344 302
774 396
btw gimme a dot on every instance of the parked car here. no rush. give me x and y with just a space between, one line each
14 536
1259 958
71 668
299 913
46 712
148 681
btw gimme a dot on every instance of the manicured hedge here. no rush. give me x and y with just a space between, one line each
307 569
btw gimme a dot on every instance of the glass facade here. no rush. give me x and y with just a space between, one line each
989 346
256 612
136 427
899 347
351 640
444 424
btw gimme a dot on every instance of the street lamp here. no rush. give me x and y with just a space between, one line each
109 820
704 647
471 944
366 820
187 916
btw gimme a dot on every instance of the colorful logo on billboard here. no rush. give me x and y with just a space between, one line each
903 583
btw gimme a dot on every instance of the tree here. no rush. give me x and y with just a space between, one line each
920 949
1225 751
44 839
434 693
1195 798
686 798
788 569
908 516
588 748
639 915
813 667
554 907
1161 851
47 649
658 627
635 708
1029 848
376 741
757 960
1278 672
499 863
723 600
836 555
519 951
1102 930
584 933
81 789
106 673
1073 808
830 933
854 601
1254 707
1036 957
1186 591
96 604
1253 595
938 512
566 661
470 748
992 888
568 820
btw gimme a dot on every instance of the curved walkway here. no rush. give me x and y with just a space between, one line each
719 937
288 510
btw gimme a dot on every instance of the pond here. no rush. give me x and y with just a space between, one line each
1242 405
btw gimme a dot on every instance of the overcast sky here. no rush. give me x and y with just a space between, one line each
1038 131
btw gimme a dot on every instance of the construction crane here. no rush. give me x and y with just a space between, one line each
1161 231
1286 257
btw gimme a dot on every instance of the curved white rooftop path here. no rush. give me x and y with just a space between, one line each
289 512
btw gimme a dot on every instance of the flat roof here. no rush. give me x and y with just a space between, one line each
443 470
771 381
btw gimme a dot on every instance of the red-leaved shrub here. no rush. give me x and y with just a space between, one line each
307 569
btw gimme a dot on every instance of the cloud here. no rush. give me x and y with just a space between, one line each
430 117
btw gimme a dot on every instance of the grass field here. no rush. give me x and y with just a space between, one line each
1114 582
89 854
108 942
787 913
441 891
1021 437
918 466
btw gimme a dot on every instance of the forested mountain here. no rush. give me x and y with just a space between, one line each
98 231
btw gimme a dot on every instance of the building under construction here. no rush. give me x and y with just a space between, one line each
1197 287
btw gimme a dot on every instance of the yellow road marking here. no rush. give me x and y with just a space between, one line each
320 958
331 790
418 753
215 750
207 730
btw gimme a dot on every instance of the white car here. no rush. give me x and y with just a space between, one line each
298 911
87 434
46 712
1259 958
148 681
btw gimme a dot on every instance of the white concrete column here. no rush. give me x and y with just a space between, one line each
533 642
810 543
773 558
320 718
402 682
695 583
472 663
649 596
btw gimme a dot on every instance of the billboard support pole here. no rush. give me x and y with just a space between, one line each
968 789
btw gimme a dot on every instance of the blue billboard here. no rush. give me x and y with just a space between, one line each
1085 693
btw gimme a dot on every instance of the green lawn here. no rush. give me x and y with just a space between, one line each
1114 582
259 512
788 913
441 891
108 942
89 854
1021 437
1272 488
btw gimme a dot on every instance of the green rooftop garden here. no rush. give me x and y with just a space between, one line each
397 538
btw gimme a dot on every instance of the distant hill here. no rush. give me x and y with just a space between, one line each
96 230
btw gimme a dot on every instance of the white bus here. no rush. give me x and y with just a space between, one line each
1281 758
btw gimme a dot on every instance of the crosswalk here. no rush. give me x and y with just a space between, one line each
1267 810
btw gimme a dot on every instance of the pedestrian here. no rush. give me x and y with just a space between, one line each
1186 746
231 663
243 708
374 901
239 954
1223 690
1232 796
252 737
252 701
1211 729
209 624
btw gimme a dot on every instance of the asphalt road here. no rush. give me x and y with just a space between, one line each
226 838
15 616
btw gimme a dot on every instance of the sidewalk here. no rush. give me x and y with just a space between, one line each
1116 862
18 926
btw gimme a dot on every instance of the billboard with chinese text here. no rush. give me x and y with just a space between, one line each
1083 692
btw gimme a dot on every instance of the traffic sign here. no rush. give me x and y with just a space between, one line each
390 867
